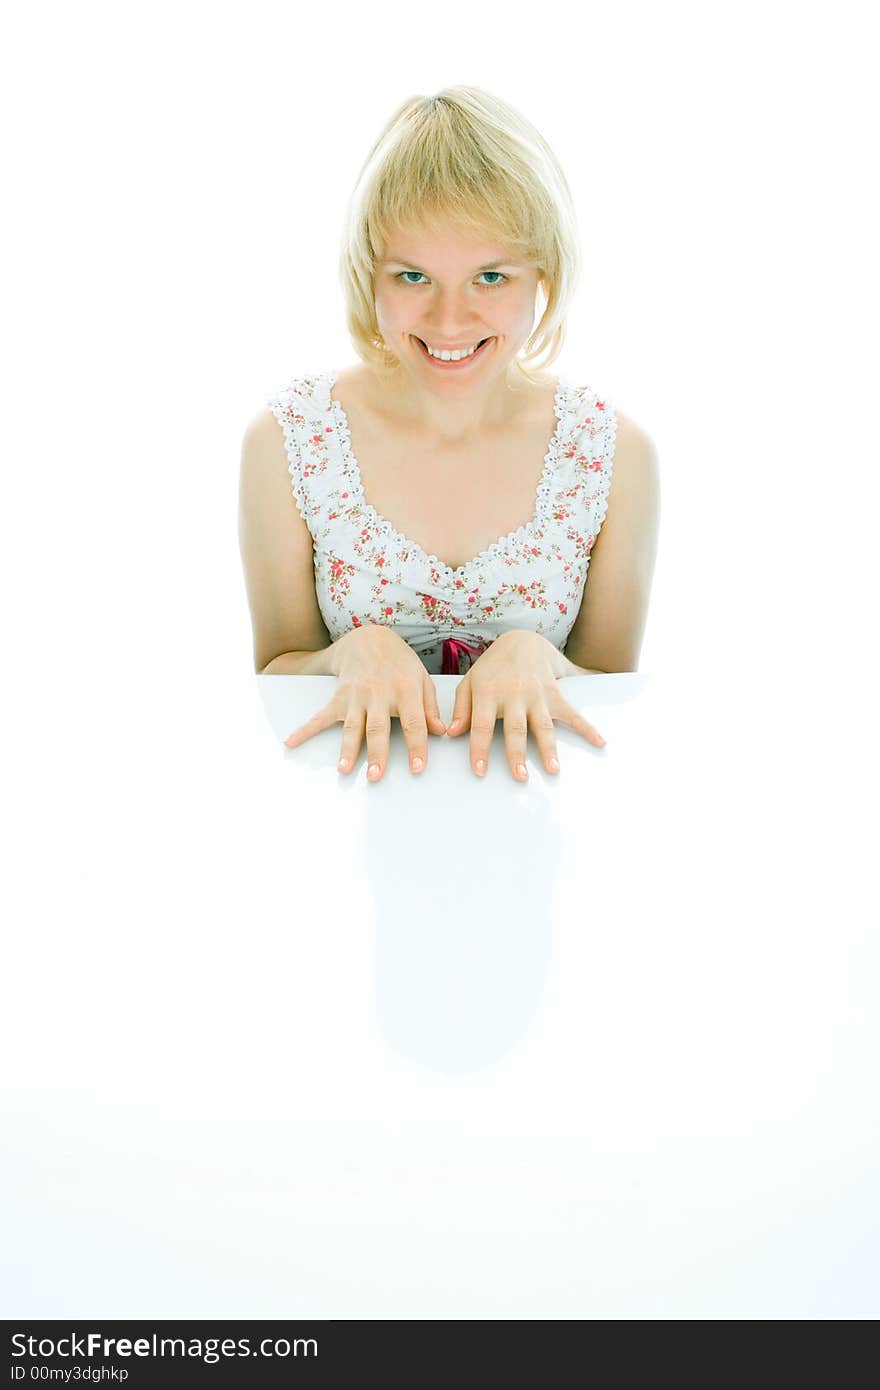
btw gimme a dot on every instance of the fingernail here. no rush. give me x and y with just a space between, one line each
553 764
374 769
480 766
521 770
343 763
456 724
417 764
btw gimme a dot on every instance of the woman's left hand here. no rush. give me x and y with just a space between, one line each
516 677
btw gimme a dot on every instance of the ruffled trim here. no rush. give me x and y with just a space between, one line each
543 492
609 442
284 404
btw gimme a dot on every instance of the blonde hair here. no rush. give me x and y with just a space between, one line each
471 158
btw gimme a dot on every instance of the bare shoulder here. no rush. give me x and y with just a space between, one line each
263 442
633 511
264 480
607 633
636 468
631 436
276 548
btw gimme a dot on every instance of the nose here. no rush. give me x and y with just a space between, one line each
449 323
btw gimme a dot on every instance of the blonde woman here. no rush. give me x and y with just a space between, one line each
444 505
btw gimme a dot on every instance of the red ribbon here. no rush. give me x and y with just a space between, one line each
452 649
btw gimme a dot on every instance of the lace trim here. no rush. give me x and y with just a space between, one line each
283 407
609 438
543 492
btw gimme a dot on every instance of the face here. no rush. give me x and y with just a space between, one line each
443 290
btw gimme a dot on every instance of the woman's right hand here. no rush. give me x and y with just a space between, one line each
379 676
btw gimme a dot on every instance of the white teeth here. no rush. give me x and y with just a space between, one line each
453 356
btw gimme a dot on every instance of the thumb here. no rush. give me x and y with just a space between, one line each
432 708
461 713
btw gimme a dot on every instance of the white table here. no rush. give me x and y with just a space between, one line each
294 1044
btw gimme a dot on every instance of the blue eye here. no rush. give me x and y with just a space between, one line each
494 285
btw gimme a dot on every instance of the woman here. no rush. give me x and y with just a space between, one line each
440 505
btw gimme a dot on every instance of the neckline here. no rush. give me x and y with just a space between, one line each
542 491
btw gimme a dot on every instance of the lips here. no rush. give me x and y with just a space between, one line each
422 344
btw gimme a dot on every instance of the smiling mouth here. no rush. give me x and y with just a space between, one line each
447 363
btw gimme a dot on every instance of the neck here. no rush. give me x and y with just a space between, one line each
455 423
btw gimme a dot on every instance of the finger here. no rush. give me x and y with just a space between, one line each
544 731
378 738
413 723
483 719
461 711
322 720
566 715
516 732
432 708
352 736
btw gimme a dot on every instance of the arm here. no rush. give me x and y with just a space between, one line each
608 631
299 664
573 670
278 559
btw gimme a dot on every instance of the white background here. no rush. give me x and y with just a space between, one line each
190 974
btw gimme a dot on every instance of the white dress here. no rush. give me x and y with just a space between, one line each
367 572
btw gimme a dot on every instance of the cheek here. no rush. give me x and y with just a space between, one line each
513 308
511 317
390 309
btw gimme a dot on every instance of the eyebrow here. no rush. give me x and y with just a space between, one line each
490 265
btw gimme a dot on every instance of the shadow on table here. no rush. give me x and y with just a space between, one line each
463 923
462 880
